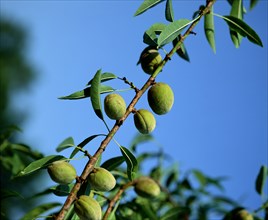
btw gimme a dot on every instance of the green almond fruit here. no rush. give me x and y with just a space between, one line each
61 172
160 98
87 208
144 121
150 59
147 187
101 179
114 106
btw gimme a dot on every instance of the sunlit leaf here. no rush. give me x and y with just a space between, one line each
236 11
113 163
210 30
147 4
182 52
68 142
37 211
171 31
84 143
95 95
104 77
150 36
40 164
169 13
132 163
85 93
261 179
242 28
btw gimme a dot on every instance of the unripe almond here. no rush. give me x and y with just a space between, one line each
160 98
114 106
87 208
144 121
150 59
61 172
147 187
101 179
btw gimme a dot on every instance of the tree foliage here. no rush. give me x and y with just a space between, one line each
183 195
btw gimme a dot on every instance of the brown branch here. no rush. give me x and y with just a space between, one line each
116 198
90 165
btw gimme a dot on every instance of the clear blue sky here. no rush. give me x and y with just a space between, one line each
218 123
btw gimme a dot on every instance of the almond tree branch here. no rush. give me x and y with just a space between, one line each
90 164
116 198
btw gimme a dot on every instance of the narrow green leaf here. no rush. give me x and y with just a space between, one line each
236 11
242 28
37 211
200 177
140 138
95 94
210 30
261 179
169 13
6 193
104 77
113 163
61 190
132 163
175 213
40 164
147 4
253 3
150 36
84 143
171 31
23 148
85 93
98 162
182 52
68 142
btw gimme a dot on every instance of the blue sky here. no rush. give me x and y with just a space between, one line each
218 123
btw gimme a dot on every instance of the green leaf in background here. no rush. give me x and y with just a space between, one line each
140 138
242 28
85 93
147 4
84 143
200 177
182 52
150 36
7 193
25 149
175 213
261 179
169 13
37 211
132 163
171 31
95 94
253 3
104 77
210 30
113 163
68 142
236 11
40 164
